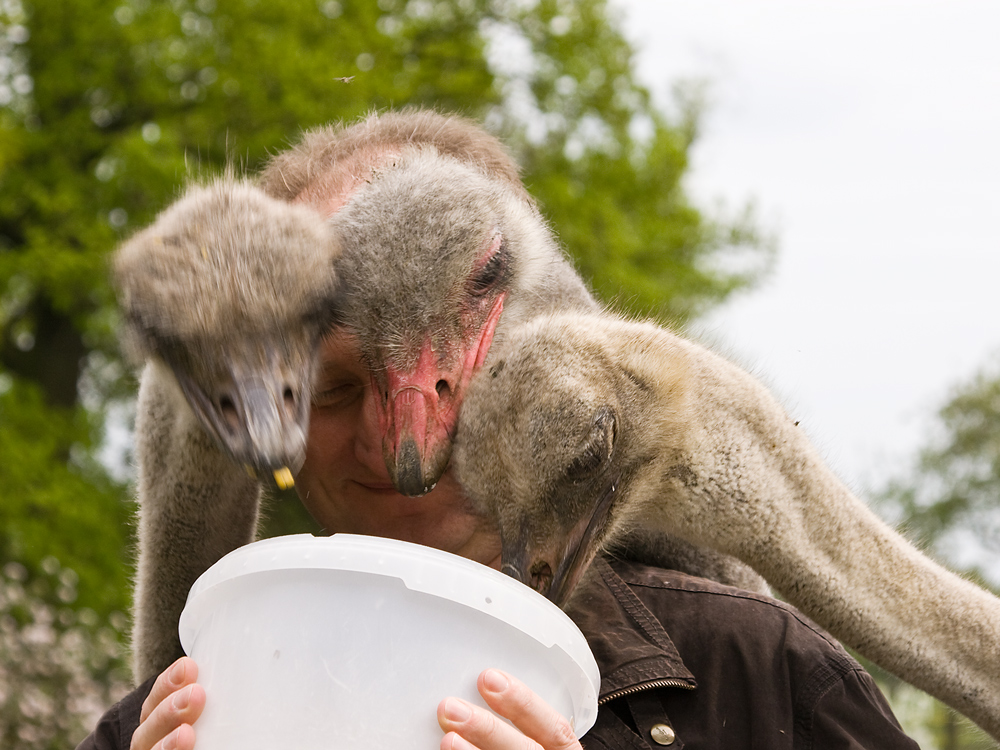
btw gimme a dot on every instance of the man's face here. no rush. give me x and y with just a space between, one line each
345 485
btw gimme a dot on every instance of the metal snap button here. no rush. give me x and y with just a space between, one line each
662 734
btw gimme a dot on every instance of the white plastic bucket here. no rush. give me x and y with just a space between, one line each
350 642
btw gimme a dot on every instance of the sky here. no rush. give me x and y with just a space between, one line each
867 134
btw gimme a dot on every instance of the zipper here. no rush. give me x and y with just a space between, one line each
644 686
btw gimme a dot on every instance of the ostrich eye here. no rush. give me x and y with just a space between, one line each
487 275
166 345
586 463
597 448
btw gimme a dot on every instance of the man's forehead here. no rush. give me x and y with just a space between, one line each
340 350
330 190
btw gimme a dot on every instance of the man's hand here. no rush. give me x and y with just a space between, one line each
172 706
536 725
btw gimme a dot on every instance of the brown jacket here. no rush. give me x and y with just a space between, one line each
738 671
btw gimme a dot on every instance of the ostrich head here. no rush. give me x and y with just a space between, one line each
231 290
549 447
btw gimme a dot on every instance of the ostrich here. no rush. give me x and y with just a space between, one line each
224 298
441 250
586 428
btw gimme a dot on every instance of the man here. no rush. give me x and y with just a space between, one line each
683 661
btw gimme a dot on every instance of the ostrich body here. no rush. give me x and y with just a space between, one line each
225 297
587 428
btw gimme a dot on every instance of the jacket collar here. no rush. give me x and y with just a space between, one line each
629 644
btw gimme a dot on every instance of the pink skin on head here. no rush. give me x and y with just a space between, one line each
420 415
332 190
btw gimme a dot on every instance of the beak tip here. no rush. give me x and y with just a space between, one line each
407 472
283 478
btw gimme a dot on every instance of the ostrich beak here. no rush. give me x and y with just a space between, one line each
555 567
418 414
260 419
417 419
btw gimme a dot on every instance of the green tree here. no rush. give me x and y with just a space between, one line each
108 106
953 494
949 504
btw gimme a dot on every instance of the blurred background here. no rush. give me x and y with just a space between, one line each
810 189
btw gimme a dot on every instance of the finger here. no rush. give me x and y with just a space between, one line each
515 701
181 738
168 726
455 741
470 727
182 672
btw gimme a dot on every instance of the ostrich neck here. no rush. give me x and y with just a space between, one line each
195 505
753 486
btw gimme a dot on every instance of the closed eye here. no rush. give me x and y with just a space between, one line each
336 394
596 450
486 276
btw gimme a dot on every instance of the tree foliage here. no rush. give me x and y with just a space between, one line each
950 505
56 499
953 495
108 106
